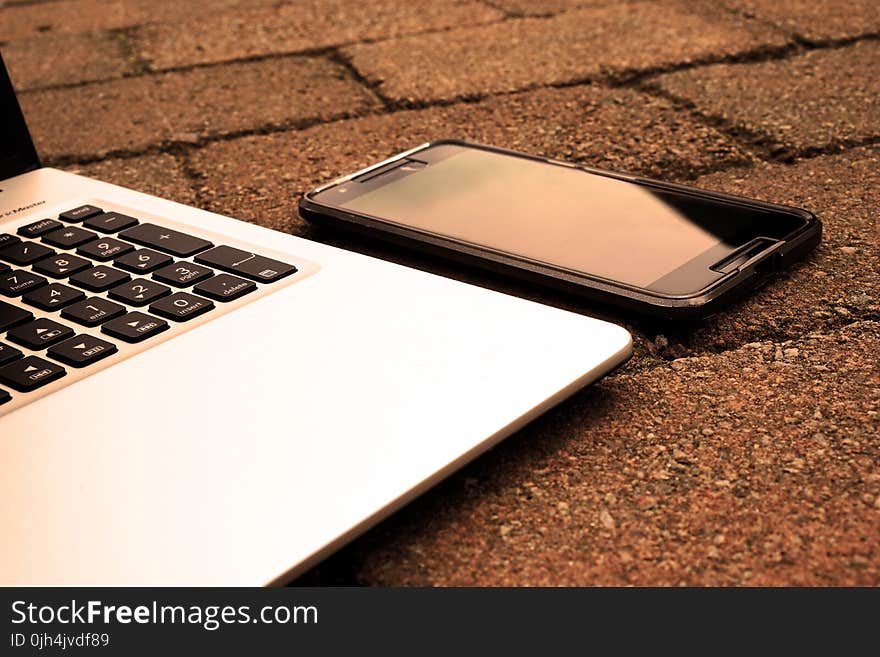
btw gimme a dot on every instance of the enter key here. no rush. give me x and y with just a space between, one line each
244 263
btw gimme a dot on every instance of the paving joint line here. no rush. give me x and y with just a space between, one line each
170 146
336 55
27 3
680 173
193 177
764 145
508 13
796 45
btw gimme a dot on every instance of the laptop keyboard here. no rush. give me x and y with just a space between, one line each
91 280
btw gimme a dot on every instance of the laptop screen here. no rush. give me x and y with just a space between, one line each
17 153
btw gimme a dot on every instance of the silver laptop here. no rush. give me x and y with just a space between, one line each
187 399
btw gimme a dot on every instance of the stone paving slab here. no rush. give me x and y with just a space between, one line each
823 97
614 129
306 25
135 113
161 175
575 45
63 59
759 466
816 20
72 16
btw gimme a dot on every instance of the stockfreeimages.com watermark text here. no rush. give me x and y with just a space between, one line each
209 617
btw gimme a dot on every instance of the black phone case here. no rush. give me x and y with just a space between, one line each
749 276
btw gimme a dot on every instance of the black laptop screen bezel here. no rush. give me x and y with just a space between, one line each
17 152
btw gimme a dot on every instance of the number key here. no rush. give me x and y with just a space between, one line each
104 249
181 306
143 261
183 274
100 278
62 266
53 297
139 292
16 282
92 311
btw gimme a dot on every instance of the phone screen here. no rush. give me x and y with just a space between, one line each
560 216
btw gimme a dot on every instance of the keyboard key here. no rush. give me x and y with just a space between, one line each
61 266
82 350
165 239
100 278
30 373
16 282
182 274
111 222
4 397
134 327
25 253
139 292
40 227
225 287
53 296
143 261
8 354
181 306
12 316
93 311
8 240
69 237
244 263
104 249
39 334
78 214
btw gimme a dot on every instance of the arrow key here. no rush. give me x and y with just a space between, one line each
39 334
134 327
30 373
82 350
53 297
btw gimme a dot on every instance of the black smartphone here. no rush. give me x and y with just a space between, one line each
658 248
